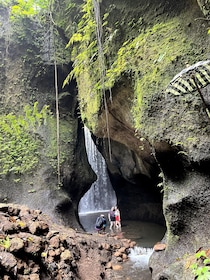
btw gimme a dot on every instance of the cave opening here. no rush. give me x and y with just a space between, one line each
137 196
140 199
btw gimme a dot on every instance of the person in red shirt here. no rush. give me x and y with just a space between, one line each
117 218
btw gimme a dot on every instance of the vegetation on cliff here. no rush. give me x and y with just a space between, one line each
30 36
19 143
147 55
148 58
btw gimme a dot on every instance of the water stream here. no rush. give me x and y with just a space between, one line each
145 234
101 196
99 199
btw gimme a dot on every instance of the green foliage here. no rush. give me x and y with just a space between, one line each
85 35
201 269
66 140
5 243
5 3
19 143
25 8
28 8
148 65
86 64
139 58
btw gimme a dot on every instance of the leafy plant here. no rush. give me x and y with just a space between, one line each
138 58
5 243
201 269
85 35
84 52
28 8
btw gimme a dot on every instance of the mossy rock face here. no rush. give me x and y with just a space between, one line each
29 141
147 42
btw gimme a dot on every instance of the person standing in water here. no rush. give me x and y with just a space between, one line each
111 217
117 218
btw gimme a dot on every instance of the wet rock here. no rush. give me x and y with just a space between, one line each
16 244
159 247
117 267
32 243
7 261
49 253
54 242
34 277
66 256
108 265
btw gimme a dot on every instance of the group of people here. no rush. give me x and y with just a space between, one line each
114 218
114 221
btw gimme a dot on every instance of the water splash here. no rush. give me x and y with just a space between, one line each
101 196
140 256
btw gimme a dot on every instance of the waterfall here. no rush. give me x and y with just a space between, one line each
139 256
101 195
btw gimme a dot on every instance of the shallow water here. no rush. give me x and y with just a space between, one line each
146 236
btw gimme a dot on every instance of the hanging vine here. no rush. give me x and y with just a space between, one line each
35 9
90 65
56 93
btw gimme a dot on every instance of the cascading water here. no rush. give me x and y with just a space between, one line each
101 196
140 256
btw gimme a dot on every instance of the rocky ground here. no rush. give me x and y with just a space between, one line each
32 247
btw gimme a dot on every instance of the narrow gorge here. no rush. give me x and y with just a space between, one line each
109 66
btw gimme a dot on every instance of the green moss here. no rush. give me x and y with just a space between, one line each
90 101
19 143
66 141
148 59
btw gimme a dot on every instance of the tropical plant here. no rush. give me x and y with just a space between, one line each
20 10
85 36
26 8
201 269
